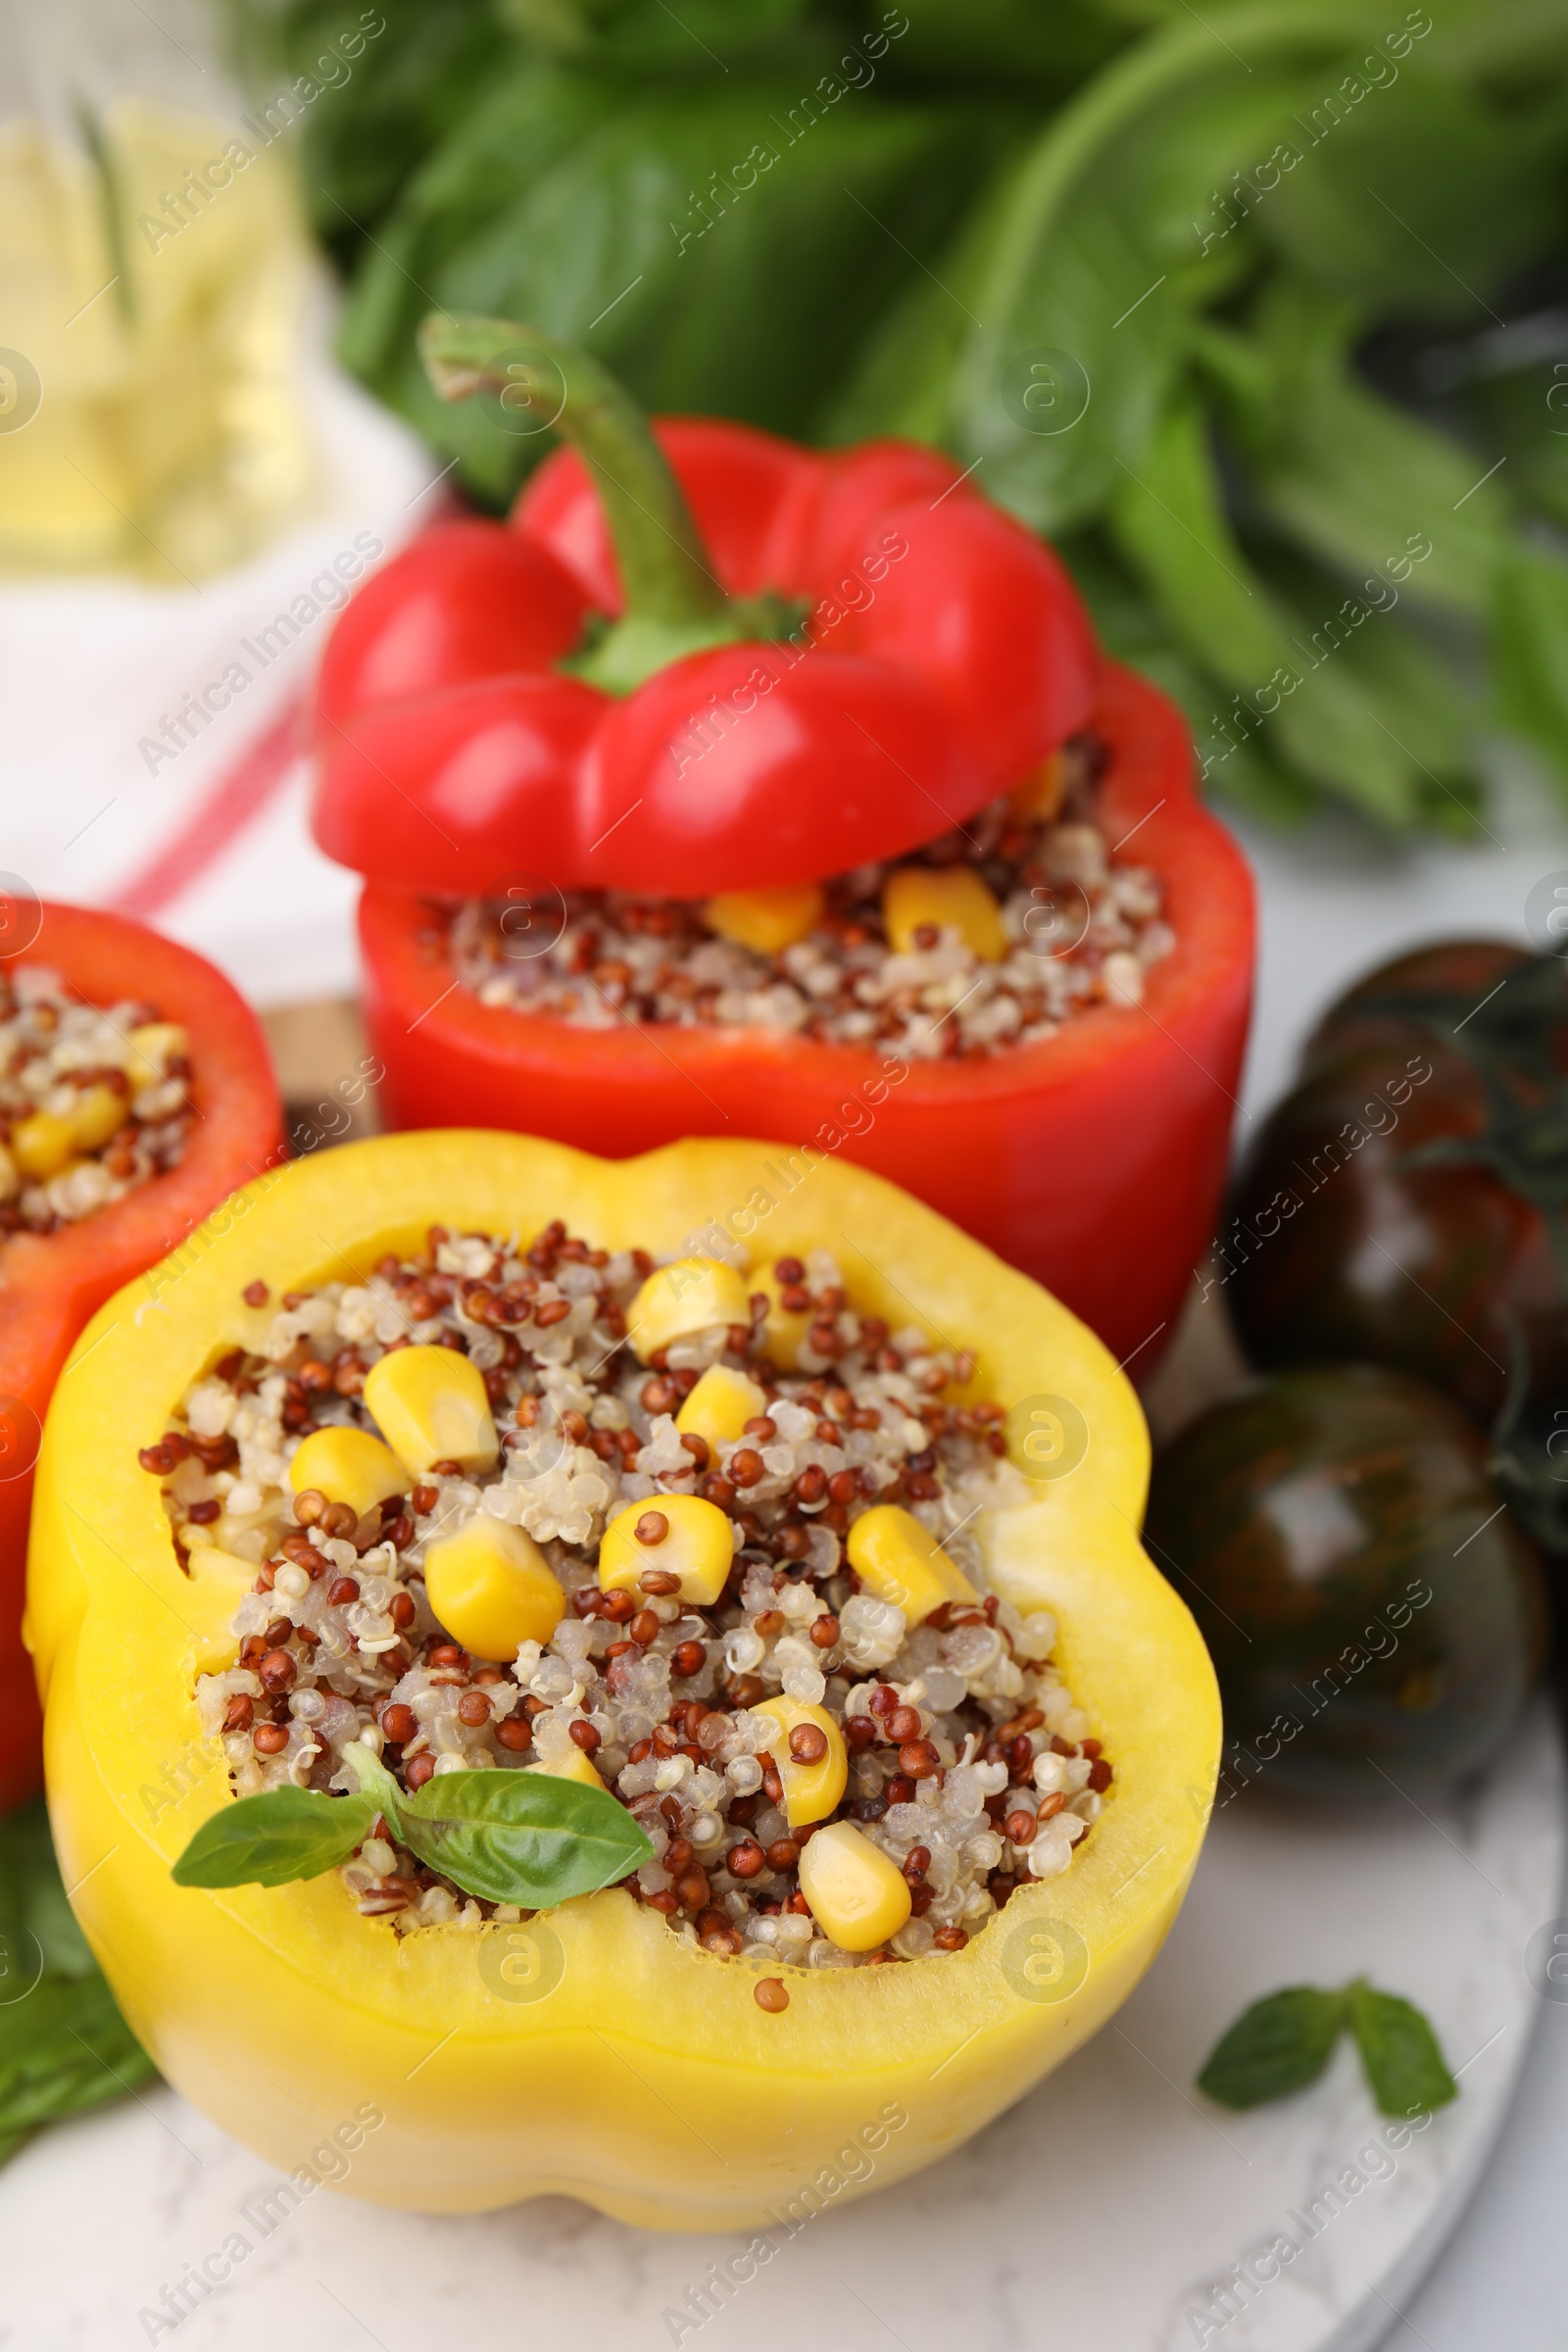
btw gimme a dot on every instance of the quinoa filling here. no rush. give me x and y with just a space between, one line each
1061 926
969 1765
93 1100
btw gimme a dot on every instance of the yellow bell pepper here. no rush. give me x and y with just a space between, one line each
589 2052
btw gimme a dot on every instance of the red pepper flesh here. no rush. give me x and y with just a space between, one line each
51 1284
946 655
1094 1159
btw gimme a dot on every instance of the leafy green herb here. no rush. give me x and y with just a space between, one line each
1283 2041
1278 2045
64 2045
526 1837
1400 2051
522 1837
274 1838
1275 247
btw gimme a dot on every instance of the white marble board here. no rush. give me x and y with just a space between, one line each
1097 2216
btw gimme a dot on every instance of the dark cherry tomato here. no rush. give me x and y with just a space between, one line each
1399 1206
1376 1621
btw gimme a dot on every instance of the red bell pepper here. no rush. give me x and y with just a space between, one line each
1092 1159
52 1284
869 653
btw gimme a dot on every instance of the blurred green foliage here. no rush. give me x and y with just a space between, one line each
1261 316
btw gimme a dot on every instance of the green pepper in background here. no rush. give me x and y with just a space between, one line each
1254 315
64 2045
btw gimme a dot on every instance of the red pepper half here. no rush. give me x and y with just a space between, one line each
52 1283
1093 1159
755 663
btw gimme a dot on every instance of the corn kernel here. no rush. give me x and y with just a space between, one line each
153 1046
787 1331
492 1588
697 1547
899 1560
952 897
430 1406
689 1294
574 1766
41 1144
96 1115
1041 795
810 1790
348 1466
721 1406
766 920
857 1894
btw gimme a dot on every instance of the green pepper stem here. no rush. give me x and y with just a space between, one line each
664 568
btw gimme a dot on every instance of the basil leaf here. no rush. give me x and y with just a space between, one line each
271 1839
1400 2051
1278 2045
525 1837
377 1784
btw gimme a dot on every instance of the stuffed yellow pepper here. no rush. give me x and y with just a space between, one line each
642 1671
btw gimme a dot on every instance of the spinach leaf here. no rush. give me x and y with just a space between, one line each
274 1838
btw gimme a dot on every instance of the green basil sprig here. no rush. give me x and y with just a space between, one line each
508 1837
1283 2041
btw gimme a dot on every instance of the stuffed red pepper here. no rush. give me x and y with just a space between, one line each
136 1095
745 789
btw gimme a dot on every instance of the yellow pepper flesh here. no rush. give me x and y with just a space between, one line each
590 2052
